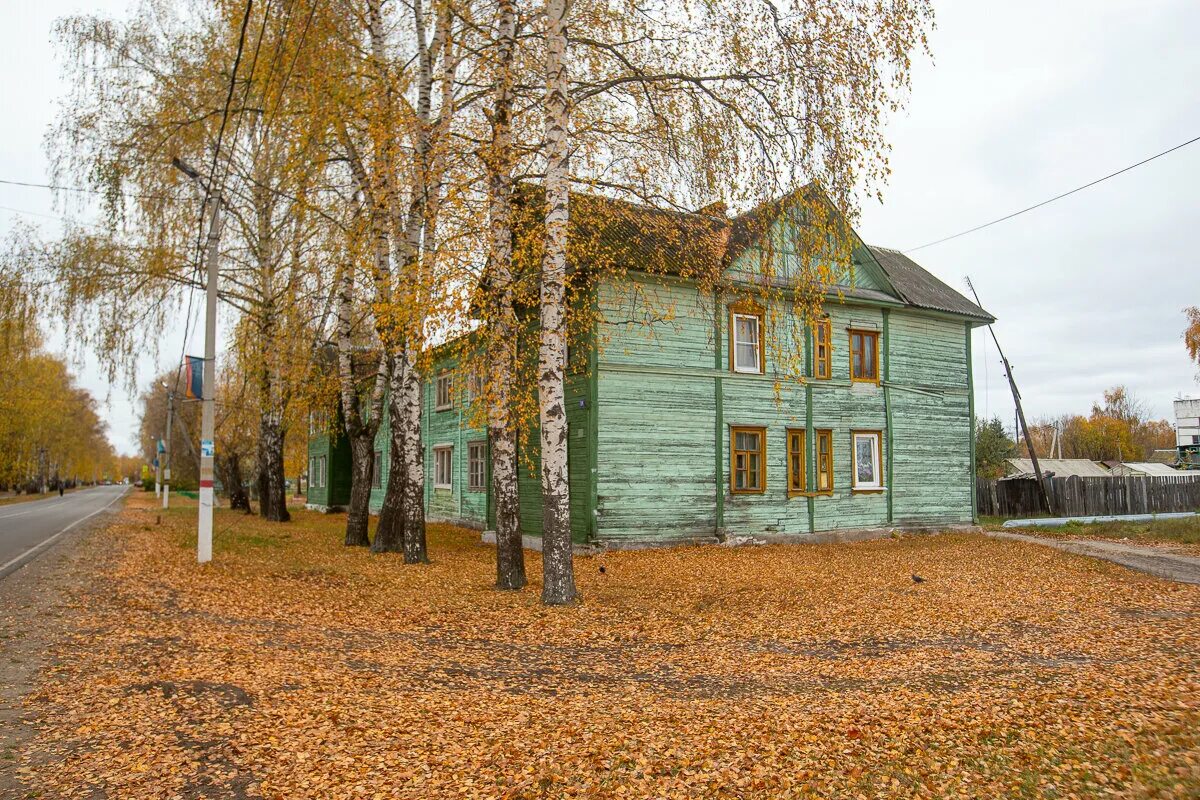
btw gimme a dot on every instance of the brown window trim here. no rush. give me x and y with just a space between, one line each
827 433
734 430
825 324
864 332
802 489
748 309
471 446
854 487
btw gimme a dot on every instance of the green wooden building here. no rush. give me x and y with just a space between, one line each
685 424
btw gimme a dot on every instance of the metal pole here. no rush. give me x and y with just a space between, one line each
208 416
167 453
157 469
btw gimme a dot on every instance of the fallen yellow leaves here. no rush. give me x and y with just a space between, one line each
294 667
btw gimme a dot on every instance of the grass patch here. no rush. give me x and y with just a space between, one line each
1163 531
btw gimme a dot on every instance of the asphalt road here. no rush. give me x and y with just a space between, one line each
28 529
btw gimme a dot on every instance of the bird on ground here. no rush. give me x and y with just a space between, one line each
917 579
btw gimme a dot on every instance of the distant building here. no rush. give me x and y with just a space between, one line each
1057 467
1146 469
1187 433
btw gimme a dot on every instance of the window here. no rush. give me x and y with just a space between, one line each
749 460
746 328
795 451
864 356
822 349
825 461
443 467
377 470
475 385
312 471
322 471
866 473
444 387
477 467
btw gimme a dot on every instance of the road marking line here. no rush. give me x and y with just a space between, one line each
45 542
44 504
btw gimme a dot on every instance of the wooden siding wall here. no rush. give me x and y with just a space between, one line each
529 485
452 427
336 451
666 399
1086 497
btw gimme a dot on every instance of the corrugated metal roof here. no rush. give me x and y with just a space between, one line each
1157 470
918 287
1061 467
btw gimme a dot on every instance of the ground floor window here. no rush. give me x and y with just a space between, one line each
321 471
377 470
796 457
477 466
312 471
824 461
443 467
866 452
748 455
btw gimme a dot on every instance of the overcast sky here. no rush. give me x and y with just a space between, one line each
1022 101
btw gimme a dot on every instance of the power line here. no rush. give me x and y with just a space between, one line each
1056 197
237 61
81 190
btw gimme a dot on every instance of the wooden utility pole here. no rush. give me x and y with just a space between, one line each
1012 384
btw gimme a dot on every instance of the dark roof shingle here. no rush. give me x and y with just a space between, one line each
918 287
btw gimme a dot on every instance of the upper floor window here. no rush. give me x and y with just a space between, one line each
823 349
475 385
444 392
746 334
864 355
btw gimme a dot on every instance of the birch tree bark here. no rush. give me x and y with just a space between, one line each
501 336
558 570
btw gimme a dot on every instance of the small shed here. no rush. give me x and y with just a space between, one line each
1149 469
1058 467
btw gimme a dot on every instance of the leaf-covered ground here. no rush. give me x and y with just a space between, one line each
293 667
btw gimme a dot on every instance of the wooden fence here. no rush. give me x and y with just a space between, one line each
1088 497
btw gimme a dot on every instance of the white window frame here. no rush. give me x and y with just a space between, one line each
758 325
438 450
444 379
479 446
323 471
876 440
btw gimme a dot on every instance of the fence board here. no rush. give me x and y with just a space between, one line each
1089 497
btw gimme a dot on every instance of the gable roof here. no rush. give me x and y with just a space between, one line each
1157 469
918 287
606 232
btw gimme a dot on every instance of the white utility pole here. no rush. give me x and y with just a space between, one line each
167 453
157 467
208 412
209 389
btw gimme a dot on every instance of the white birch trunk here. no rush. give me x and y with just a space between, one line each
558 572
510 555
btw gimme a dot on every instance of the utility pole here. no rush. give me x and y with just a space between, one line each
208 399
1037 469
157 467
167 453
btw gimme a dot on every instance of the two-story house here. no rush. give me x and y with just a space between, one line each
688 425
